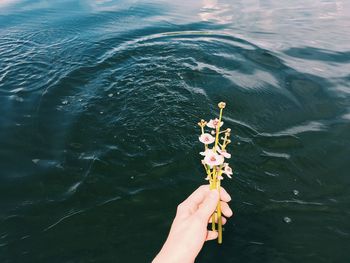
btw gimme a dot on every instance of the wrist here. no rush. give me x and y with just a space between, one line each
173 254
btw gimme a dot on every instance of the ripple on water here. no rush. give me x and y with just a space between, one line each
116 113
276 155
33 61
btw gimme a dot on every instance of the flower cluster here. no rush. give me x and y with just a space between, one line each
214 157
215 143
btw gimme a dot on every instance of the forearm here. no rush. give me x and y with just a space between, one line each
171 256
176 248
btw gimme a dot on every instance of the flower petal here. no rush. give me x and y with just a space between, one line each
227 170
213 159
224 153
214 123
206 138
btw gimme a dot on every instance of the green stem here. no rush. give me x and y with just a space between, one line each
205 146
217 131
216 183
219 218
213 186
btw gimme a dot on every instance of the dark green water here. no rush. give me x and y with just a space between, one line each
99 102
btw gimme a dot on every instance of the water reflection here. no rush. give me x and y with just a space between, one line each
6 3
216 12
108 5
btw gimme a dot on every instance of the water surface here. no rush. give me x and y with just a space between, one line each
99 102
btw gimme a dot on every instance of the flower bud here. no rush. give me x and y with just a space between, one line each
222 105
202 123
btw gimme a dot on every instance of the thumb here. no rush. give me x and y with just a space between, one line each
208 206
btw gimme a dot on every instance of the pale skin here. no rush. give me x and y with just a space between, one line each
189 231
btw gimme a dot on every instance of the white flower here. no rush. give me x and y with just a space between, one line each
214 123
227 170
211 158
206 138
224 153
204 153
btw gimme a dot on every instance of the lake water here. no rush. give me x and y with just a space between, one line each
99 102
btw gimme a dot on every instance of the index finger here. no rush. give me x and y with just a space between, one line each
198 196
224 196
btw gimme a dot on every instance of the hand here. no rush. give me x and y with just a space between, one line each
189 229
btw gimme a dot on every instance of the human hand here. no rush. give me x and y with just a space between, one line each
189 229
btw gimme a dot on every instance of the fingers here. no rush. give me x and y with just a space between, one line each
208 206
224 196
192 203
196 198
211 235
199 194
223 220
225 209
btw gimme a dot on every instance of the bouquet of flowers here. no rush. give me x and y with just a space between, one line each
214 159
